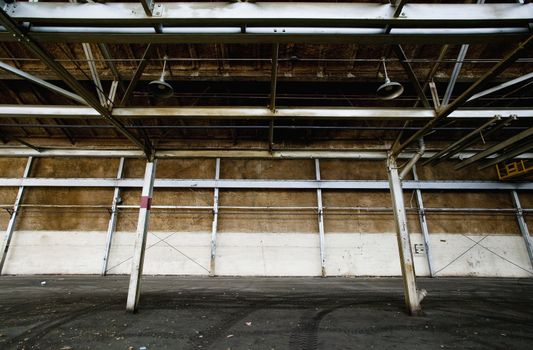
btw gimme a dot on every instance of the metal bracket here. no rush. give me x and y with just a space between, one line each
158 10
151 8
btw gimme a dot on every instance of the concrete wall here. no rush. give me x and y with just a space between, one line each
264 254
258 242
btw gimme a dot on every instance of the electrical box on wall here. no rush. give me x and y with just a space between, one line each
419 249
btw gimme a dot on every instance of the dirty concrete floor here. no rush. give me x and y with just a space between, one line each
87 312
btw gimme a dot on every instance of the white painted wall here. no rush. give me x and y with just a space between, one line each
264 254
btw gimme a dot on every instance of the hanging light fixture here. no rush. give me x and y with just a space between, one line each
390 89
160 88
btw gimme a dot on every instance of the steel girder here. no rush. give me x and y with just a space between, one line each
39 111
36 49
268 184
272 22
375 154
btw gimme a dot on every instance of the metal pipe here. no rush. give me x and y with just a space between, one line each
419 153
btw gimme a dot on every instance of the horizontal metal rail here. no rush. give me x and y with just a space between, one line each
270 208
265 184
376 154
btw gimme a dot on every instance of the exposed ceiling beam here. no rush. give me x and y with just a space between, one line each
94 73
455 74
264 113
111 64
137 75
41 82
508 155
375 154
398 50
445 111
37 50
148 6
493 124
456 70
300 14
365 36
273 22
496 148
399 4
505 85
6 138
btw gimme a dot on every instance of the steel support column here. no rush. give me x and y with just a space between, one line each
423 224
214 226
320 222
273 88
412 296
142 233
13 219
113 219
523 225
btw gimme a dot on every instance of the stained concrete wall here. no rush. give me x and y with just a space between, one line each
258 242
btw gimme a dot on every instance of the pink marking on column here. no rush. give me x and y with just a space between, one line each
146 202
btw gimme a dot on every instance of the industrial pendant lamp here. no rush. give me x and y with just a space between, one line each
160 88
390 89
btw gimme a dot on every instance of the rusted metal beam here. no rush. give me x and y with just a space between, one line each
37 50
445 111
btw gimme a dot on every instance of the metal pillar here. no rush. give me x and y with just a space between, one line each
12 221
423 224
412 296
140 243
273 89
215 221
320 222
523 225
113 219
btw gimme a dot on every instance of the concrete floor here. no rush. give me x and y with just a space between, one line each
87 312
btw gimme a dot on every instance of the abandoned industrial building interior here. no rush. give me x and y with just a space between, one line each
266 175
